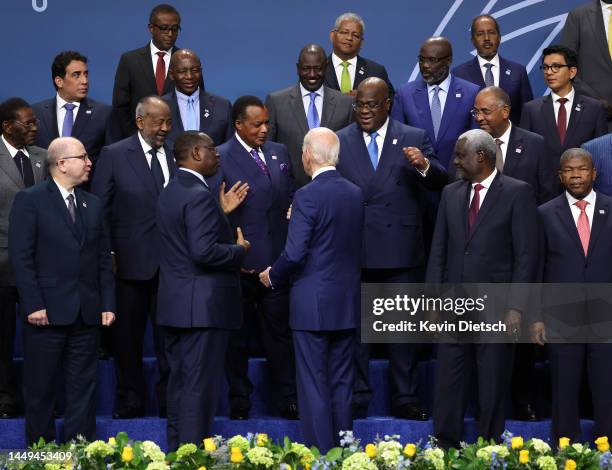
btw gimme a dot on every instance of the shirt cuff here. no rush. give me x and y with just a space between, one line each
424 172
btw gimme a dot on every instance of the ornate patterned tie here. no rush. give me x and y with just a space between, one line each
499 156
68 120
584 230
436 111
313 114
373 149
489 81
160 73
474 206
562 119
260 163
345 79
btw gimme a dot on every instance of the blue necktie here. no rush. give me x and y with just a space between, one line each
68 120
191 122
436 111
489 75
373 149
313 114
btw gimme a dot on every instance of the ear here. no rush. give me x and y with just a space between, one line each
573 71
59 82
171 72
139 123
331 36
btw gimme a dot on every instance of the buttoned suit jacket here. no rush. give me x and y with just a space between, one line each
513 79
365 68
288 124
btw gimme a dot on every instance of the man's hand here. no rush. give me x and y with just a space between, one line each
234 197
537 332
264 277
289 212
513 324
108 318
241 241
416 158
38 318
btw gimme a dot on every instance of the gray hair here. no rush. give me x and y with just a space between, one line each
349 16
144 102
59 148
323 145
575 152
477 140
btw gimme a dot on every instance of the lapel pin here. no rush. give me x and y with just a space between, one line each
578 107
458 95
394 141
37 164
88 111
361 71
84 204
273 157
601 211
518 150
507 71
206 113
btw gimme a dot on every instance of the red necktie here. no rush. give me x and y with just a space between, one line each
584 230
160 73
562 119
474 205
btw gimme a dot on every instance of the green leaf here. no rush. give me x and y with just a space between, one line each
334 454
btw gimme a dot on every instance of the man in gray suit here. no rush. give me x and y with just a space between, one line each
309 104
21 166
585 32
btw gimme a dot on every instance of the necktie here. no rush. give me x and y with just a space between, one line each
68 120
436 111
345 79
156 171
499 156
610 31
260 163
562 119
25 168
584 231
160 73
373 149
313 114
489 75
71 207
190 123
474 206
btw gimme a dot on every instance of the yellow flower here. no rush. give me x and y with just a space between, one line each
307 466
236 455
570 464
128 454
370 450
602 444
209 444
112 441
517 442
262 439
410 450
524 456
564 442
202 468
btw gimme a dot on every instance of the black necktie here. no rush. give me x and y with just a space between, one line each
25 168
156 171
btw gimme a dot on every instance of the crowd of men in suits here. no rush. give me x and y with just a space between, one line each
210 218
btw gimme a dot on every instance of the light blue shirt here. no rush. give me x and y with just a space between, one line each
442 94
181 99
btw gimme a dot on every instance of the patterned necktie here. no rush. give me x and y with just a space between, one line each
160 73
190 123
345 79
260 163
489 81
373 149
25 168
71 207
68 120
610 31
499 156
584 230
156 171
313 114
562 119
474 206
436 111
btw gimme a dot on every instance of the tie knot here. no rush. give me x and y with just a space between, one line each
153 152
478 187
313 95
70 198
562 101
255 153
436 89
345 64
488 66
160 54
581 204
373 135
69 106
499 142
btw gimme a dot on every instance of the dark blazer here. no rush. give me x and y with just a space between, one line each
61 266
91 125
288 124
134 79
365 68
262 216
513 79
199 283
215 117
322 255
393 231
124 182
601 150
411 107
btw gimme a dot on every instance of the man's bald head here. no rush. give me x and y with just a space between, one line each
314 49
186 71
372 104
435 57
311 67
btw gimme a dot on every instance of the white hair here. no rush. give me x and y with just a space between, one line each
323 145
349 16
477 140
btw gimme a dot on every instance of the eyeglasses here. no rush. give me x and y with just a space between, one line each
346 34
164 28
485 112
431 60
553 67
359 106
29 124
83 157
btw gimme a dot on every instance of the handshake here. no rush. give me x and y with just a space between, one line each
264 276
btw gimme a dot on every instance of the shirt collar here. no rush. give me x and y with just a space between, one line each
13 150
305 92
323 169
64 192
569 96
337 61
505 137
194 173
590 198
146 148
381 132
494 61
184 97
155 50
444 86
61 102
488 180
247 147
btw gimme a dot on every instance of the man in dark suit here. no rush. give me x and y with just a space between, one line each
60 253
576 227
485 231
130 175
565 118
192 107
438 102
389 161
304 106
488 68
144 71
21 166
199 289
585 32
71 112
321 257
345 68
249 157
601 152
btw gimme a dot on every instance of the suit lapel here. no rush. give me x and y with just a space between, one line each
422 106
361 72
60 206
170 162
464 200
297 106
83 117
244 160
475 73
7 165
146 65
175 112
49 118
329 105
455 92
600 215
385 163
489 201
504 77
565 215
547 113
330 74
39 164
138 161
207 108
575 116
512 156
359 156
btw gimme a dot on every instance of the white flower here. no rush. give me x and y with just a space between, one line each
260 456
540 446
389 452
152 451
358 461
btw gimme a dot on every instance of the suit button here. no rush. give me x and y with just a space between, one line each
388 225
387 204
466 253
365 204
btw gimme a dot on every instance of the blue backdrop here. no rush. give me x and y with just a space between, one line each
250 47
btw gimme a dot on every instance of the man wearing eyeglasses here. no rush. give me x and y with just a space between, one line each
60 254
21 166
565 118
144 71
345 68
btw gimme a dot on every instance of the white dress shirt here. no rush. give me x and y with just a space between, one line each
61 112
167 55
65 193
12 150
382 132
589 209
338 68
196 174
323 169
494 70
568 105
442 94
248 148
318 100
505 138
161 157
483 192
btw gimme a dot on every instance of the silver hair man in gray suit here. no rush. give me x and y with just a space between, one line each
21 165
